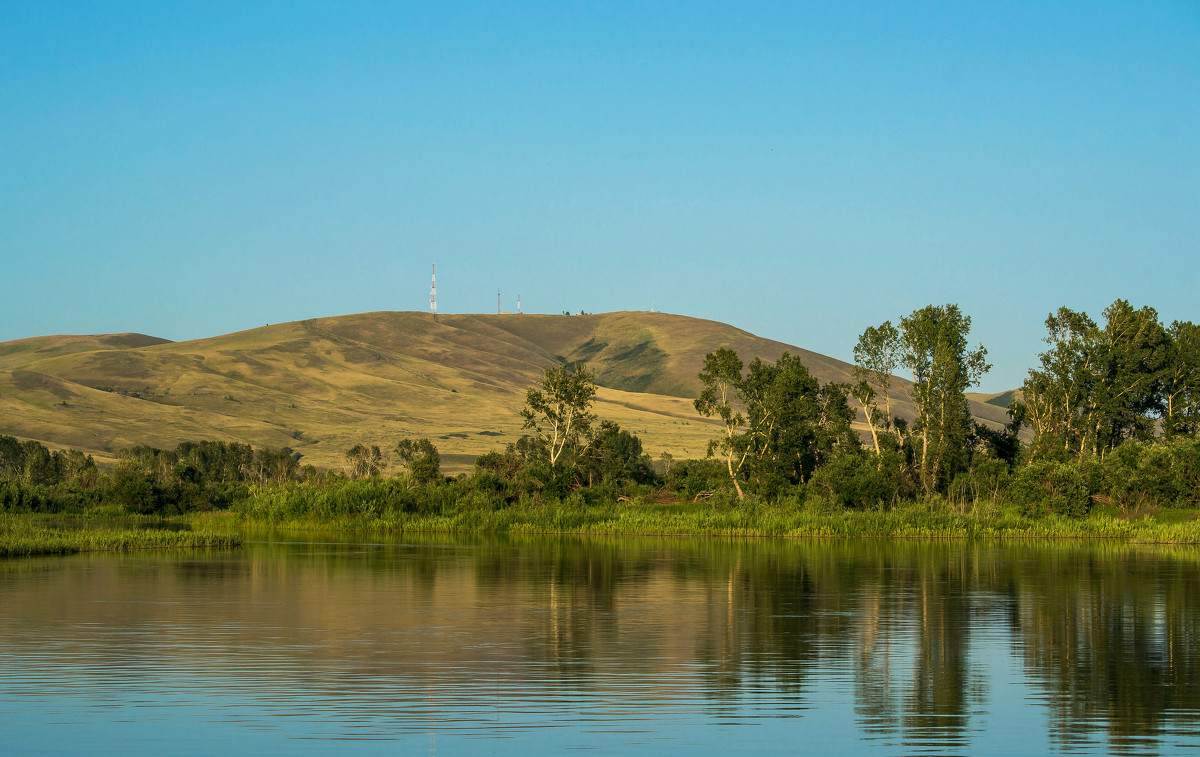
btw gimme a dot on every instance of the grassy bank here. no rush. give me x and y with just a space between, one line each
22 536
347 509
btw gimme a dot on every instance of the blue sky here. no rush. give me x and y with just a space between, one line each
800 171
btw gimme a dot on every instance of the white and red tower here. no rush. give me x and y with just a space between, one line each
433 293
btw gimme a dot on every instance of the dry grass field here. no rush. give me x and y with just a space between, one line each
320 386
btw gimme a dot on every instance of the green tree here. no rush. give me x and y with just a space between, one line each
788 423
721 379
420 459
943 367
616 455
559 412
276 465
876 357
1059 394
1181 380
793 423
1128 389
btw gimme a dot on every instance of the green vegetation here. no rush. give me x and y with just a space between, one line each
383 505
1114 439
22 536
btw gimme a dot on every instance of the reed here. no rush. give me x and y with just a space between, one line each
370 510
23 536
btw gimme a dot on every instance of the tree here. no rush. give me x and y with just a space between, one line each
363 461
784 414
1181 380
934 346
560 411
420 459
790 424
1058 396
876 357
721 378
1128 391
616 455
667 458
276 464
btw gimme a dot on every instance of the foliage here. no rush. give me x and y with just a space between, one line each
1098 387
559 412
790 426
420 460
363 461
876 358
721 379
934 347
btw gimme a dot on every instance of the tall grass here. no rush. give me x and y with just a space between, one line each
384 506
22 536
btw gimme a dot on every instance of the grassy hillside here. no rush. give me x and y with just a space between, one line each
22 351
322 385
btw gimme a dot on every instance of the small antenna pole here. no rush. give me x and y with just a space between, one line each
497 302
518 304
433 293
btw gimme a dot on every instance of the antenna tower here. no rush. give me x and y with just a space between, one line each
433 293
497 302
518 304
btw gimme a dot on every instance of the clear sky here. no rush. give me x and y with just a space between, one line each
800 171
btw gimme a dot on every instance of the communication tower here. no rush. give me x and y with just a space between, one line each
518 304
497 302
433 293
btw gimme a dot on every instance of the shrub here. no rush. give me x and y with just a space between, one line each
1044 487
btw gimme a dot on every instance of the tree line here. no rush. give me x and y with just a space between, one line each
1111 415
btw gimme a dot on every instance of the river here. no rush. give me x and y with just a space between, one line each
454 645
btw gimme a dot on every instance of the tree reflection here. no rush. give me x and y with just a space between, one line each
1105 634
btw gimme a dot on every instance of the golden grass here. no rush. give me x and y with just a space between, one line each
322 385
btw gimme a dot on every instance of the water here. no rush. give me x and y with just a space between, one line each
520 646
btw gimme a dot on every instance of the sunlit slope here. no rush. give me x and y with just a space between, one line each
23 351
322 385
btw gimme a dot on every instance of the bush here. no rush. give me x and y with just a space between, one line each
1045 487
854 482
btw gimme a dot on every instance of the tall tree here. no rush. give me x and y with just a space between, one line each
721 378
876 358
420 460
363 461
783 412
943 367
791 424
1128 388
1181 380
1059 395
559 412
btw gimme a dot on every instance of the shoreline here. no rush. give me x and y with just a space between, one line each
904 524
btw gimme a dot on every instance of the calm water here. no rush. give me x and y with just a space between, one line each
450 646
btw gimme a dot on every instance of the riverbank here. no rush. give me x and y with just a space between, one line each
25 536
928 521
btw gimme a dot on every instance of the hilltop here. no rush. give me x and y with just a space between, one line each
322 385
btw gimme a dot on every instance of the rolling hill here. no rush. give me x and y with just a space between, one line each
322 385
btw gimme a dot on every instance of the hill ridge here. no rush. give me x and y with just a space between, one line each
321 385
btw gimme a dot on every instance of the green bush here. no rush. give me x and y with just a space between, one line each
1045 487
854 482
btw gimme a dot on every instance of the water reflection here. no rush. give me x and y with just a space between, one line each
658 644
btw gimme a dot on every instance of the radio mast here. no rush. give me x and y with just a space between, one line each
497 302
518 304
433 293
